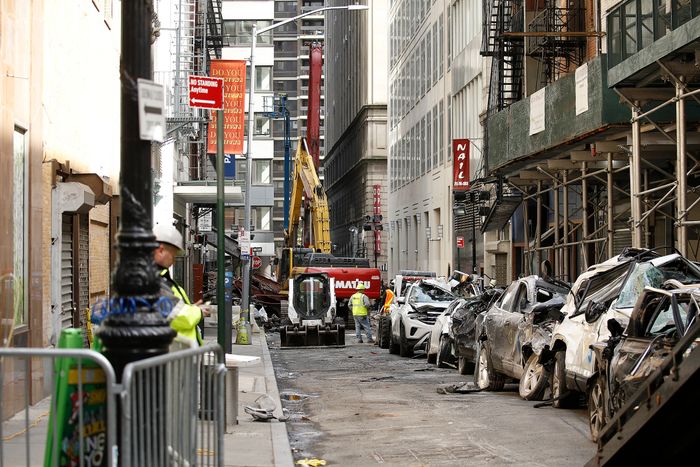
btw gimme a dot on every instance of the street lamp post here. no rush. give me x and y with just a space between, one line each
135 329
245 298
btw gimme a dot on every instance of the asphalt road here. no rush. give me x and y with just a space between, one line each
360 405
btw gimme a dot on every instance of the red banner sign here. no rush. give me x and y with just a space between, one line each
460 169
233 73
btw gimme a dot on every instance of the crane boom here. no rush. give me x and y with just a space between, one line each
305 183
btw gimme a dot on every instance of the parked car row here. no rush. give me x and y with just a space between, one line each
599 338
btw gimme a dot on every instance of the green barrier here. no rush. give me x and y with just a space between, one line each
65 442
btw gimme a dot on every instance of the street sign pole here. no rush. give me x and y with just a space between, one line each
223 307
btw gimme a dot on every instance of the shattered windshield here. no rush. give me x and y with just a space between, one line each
428 293
602 288
646 274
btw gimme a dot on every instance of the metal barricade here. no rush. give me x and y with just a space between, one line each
31 436
172 409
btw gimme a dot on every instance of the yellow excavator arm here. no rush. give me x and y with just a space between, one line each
305 183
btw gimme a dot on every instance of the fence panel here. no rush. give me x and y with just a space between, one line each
172 409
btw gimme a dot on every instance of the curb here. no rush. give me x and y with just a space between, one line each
281 450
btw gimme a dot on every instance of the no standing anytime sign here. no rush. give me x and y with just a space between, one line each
205 92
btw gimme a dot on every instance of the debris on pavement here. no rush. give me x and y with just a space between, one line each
459 388
264 409
375 378
311 462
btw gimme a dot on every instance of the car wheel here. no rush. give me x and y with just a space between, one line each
561 396
464 366
484 375
534 380
443 354
404 350
384 332
597 416
432 358
393 346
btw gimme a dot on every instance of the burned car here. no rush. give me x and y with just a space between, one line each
659 319
414 315
608 290
513 334
440 347
462 330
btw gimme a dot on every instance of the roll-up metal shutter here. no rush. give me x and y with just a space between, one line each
67 303
83 259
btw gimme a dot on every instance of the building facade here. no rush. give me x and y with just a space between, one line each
356 131
60 143
574 182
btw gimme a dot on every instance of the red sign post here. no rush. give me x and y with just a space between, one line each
205 92
460 242
256 262
460 168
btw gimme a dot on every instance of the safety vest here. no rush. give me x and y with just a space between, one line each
358 304
388 300
188 317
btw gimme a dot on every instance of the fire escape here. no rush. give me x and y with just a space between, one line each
198 38
557 54
501 18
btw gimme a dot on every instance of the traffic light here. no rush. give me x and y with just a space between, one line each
377 218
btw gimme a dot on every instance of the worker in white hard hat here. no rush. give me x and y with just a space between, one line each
185 315
360 306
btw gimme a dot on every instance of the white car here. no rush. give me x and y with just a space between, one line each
440 349
608 290
412 319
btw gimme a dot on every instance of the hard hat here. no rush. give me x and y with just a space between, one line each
360 286
167 233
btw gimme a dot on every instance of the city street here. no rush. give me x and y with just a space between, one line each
360 405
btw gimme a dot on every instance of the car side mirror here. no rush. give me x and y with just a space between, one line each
615 327
593 311
401 300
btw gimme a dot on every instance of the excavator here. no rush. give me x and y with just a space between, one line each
307 250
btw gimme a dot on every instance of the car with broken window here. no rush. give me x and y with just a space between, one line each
608 290
513 334
415 313
463 323
623 363
439 347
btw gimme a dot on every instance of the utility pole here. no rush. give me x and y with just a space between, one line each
223 305
136 330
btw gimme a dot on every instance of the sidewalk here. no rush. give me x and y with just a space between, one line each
254 443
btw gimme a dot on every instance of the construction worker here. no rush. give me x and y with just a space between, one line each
185 316
388 300
360 306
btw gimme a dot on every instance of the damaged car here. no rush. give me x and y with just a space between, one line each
440 347
513 334
415 314
463 323
608 290
659 319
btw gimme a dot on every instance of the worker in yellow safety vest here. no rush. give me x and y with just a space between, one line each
185 315
360 305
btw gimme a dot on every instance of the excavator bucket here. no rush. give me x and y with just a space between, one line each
310 336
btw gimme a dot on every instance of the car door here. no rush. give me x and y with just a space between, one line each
498 325
515 330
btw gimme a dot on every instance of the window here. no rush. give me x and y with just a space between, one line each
19 203
237 32
262 125
263 78
602 288
262 218
286 7
261 171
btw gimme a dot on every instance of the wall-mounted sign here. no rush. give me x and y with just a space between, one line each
233 73
537 123
460 167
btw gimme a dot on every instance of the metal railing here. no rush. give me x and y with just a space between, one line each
171 408
24 437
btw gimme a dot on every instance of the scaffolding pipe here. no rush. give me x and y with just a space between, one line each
690 208
577 243
528 262
565 201
538 229
635 172
658 188
656 206
610 205
584 202
557 239
681 169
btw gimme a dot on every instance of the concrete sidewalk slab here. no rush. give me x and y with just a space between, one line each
253 443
